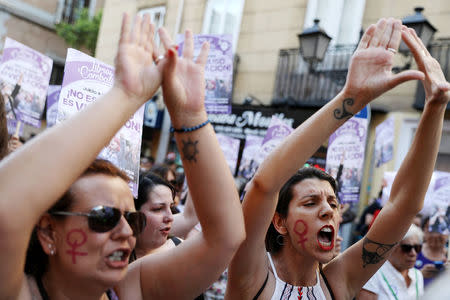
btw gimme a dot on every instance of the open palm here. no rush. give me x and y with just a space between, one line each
136 74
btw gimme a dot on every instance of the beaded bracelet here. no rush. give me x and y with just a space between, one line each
189 129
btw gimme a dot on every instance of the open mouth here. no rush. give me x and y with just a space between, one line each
325 238
118 257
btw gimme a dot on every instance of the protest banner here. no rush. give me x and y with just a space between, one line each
24 75
436 197
218 70
349 140
248 164
86 79
230 149
275 134
52 104
384 142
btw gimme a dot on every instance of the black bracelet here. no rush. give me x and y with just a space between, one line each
189 129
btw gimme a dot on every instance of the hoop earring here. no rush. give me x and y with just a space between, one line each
280 240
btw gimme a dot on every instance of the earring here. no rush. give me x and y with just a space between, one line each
52 252
280 240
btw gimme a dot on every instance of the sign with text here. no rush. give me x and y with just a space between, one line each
230 149
86 79
218 70
349 140
25 75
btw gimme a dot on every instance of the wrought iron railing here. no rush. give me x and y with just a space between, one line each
440 50
297 84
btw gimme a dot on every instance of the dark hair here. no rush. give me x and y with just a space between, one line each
4 137
285 197
162 170
37 260
147 183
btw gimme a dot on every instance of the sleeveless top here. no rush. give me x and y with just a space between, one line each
285 291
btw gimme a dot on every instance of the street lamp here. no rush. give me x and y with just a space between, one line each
313 44
420 24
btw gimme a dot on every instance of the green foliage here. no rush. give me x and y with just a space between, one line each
83 32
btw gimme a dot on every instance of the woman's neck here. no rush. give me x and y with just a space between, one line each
142 250
294 268
59 286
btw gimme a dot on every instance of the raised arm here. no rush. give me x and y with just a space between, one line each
185 221
368 77
36 175
413 177
205 256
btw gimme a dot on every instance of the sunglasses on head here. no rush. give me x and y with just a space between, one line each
105 218
407 248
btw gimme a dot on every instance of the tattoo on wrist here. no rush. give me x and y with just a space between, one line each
344 113
373 252
190 150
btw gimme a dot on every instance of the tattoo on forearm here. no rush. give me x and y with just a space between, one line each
344 113
373 252
190 150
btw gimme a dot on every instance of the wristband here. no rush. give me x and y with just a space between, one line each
189 129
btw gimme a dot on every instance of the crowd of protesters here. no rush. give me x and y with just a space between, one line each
71 228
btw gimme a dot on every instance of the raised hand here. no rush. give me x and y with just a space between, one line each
136 74
184 80
436 86
370 71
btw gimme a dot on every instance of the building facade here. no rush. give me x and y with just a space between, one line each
270 72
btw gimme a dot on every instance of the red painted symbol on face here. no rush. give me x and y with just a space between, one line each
76 238
301 229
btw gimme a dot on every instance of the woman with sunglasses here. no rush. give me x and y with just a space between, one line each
88 242
397 278
299 212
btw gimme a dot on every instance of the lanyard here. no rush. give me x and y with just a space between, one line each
392 291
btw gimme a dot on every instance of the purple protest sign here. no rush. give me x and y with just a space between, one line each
218 71
52 104
230 148
248 163
24 74
349 139
384 142
86 79
275 134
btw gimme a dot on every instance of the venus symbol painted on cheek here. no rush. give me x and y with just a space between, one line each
301 229
75 239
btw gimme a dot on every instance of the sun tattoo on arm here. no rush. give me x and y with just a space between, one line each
190 150
344 113
373 252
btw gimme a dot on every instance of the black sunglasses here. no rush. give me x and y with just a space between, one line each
105 218
407 248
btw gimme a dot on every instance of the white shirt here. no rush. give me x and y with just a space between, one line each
388 281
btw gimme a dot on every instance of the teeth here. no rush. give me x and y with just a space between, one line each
326 229
116 256
326 244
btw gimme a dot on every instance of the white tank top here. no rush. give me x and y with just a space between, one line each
285 291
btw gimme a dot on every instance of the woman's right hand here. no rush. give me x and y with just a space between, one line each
184 81
136 74
370 71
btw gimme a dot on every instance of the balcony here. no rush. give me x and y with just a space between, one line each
297 85
440 50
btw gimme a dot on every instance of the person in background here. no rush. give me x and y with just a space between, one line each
294 214
397 278
432 260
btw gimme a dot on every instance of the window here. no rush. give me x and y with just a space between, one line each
71 9
223 17
157 15
341 19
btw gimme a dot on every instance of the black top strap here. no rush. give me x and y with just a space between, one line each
262 287
327 284
175 240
